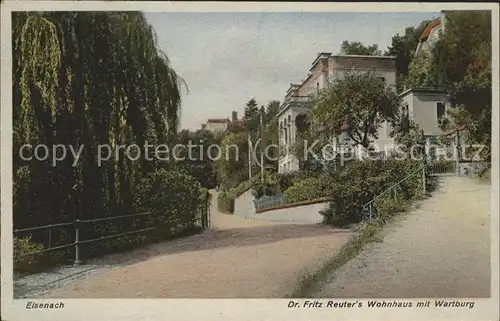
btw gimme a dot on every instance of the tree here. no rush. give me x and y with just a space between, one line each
403 47
364 100
462 65
271 131
199 162
272 110
405 131
251 117
87 79
232 167
357 48
420 72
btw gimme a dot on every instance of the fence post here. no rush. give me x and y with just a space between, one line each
423 179
77 243
457 152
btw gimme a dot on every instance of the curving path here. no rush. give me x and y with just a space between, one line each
235 258
441 249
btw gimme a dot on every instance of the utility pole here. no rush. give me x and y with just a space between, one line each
250 158
457 153
262 146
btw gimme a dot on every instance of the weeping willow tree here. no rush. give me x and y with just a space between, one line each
85 79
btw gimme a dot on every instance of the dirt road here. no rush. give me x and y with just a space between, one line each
236 258
439 250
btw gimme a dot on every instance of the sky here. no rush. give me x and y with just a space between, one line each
228 58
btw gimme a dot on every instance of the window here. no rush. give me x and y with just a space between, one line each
382 78
440 110
317 88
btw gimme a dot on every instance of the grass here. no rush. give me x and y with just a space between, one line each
484 178
309 283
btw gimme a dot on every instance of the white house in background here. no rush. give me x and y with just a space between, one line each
325 68
425 107
431 34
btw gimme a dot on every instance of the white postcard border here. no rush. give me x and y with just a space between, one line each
222 309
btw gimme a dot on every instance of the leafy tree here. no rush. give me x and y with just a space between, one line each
462 66
405 131
232 167
89 79
403 47
199 163
364 100
357 48
419 74
271 132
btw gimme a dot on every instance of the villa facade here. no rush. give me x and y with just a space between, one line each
425 106
326 68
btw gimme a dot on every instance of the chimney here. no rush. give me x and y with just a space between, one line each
235 116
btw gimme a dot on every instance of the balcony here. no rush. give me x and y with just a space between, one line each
301 101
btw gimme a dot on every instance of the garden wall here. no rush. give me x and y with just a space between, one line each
243 205
302 214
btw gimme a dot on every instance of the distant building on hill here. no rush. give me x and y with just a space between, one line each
216 125
222 125
431 34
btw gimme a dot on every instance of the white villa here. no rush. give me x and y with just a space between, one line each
325 68
424 105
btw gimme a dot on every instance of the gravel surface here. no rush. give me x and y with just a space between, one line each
442 249
236 258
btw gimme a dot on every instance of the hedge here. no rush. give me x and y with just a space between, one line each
309 189
360 181
174 198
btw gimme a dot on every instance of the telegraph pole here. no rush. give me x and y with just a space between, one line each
262 146
250 158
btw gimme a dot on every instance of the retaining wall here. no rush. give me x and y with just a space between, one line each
303 214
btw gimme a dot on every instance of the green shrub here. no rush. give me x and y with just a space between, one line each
360 181
225 202
388 206
268 187
482 173
173 199
309 189
244 186
28 263
286 180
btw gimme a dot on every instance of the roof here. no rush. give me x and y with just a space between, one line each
364 56
429 90
218 120
427 31
318 57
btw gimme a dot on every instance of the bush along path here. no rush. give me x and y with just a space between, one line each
440 249
236 258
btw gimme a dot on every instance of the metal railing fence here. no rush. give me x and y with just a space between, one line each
369 209
201 218
269 201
